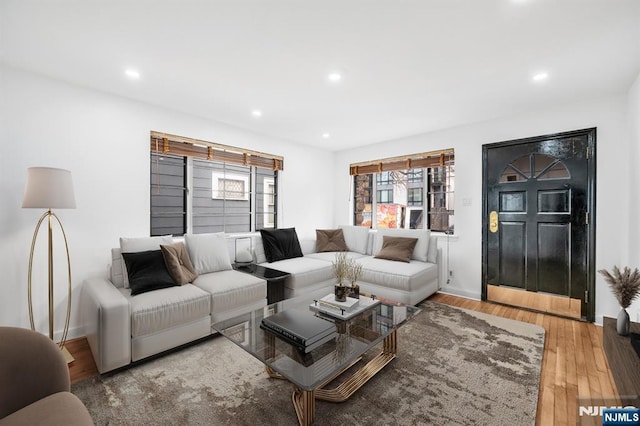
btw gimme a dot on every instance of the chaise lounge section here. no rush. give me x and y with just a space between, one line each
405 282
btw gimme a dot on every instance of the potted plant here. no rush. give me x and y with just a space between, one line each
626 287
340 269
354 273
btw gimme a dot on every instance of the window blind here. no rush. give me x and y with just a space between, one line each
164 143
422 160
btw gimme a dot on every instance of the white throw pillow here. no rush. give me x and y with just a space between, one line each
208 252
422 246
356 237
136 244
432 253
258 250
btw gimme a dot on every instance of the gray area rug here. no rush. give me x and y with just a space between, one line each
454 366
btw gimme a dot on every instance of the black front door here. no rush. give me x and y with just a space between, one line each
538 232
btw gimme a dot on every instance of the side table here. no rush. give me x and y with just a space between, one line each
623 361
275 279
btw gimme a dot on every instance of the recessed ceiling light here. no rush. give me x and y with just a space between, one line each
540 76
133 74
256 113
326 135
334 76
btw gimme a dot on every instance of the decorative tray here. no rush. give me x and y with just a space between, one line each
336 312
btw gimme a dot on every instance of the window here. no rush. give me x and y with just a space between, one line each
415 175
440 194
385 196
229 186
414 196
269 202
415 191
534 166
384 178
363 201
199 187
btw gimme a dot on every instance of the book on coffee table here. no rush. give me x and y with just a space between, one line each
302 348
333 312
300 328
348 305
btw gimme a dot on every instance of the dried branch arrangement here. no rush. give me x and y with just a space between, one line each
354 272
625 285
340 267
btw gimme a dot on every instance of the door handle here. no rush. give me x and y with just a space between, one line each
493 222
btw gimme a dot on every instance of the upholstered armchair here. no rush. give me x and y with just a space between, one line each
34 382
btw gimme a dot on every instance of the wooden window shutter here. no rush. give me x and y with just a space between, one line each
164 143
414 161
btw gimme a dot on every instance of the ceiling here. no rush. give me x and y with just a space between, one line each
407 66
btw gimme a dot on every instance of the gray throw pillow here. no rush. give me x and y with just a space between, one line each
330 240
397 248
178 263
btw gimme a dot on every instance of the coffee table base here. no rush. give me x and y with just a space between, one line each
305 404
304 401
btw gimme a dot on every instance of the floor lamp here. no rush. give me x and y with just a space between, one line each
50 188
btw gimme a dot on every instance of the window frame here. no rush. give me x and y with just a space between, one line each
262 174
420 171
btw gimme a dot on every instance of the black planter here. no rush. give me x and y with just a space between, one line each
354 291
341 293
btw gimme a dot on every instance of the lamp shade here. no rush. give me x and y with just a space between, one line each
48 188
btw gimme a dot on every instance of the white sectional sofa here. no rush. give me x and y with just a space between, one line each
122 328
408 283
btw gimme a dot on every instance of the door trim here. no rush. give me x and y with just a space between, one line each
588 304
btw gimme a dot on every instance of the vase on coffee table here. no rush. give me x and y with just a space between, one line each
354 291
341 292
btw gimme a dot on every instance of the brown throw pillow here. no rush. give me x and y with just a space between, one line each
178 263
397 248
330 240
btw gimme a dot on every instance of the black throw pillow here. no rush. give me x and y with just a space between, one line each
280 244
147 271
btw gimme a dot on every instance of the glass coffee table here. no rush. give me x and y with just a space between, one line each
311 372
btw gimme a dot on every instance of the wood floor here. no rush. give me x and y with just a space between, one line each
574 364
542 302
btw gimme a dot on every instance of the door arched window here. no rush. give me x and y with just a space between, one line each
534 166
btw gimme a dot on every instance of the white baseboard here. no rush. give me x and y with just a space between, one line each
460 292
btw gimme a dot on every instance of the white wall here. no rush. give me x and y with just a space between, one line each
634 195
608 115
104 141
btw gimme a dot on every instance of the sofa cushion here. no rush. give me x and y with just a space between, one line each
208 252
280 244
137 244
162 309
356 238
405 277
331 256
305 271
330 240
258 250
231 289
432 253
147 271
396 248
422 246
178 263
